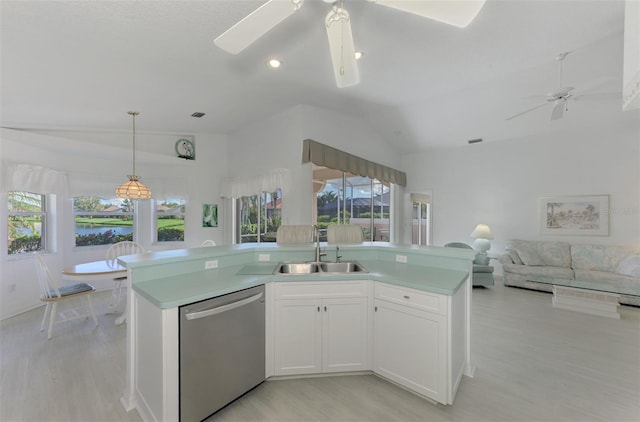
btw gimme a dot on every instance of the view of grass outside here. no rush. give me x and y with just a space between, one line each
170 220
26 222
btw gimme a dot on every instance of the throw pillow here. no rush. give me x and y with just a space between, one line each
630 266
528 252
513 254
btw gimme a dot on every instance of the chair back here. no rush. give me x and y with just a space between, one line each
48 285
344 234
120 249
208 242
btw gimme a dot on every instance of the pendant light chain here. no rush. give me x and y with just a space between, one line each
134 114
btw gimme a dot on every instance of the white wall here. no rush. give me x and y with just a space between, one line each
276 142
500 183
107 160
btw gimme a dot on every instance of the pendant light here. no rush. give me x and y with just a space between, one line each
133 189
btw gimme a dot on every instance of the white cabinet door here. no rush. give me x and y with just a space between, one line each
297 337
345 335
410 348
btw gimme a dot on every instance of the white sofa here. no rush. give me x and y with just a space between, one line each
614 268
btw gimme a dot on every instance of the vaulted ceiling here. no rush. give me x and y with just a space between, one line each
424 84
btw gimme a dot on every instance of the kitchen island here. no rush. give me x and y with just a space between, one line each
406 319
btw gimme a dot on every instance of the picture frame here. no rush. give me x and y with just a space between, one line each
575 215
209 215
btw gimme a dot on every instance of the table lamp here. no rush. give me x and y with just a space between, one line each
482 234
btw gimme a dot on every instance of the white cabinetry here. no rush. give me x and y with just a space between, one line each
413 341
321 327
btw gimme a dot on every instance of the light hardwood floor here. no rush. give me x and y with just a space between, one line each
534 363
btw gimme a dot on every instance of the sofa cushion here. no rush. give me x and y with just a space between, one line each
556 254
610 281
629 266
539 270
599 257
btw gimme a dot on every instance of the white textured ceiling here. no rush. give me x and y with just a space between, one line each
424 84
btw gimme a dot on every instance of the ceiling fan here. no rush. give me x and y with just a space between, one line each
338 25
560 97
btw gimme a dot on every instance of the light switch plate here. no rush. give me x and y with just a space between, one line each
211 264
401 258
264 257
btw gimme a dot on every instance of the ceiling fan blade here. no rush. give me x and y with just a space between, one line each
527 111
459 13
256 24
343 54
558 109
599 96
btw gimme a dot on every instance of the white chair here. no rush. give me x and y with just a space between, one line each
116 250
208 242
52 294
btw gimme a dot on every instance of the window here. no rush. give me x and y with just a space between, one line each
342 198
170 220
259 217
27 222
100 221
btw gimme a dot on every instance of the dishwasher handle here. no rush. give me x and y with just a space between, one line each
220 309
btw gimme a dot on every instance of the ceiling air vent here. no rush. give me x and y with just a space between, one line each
474 141
197 114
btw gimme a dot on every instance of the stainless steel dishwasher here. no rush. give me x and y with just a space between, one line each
222 343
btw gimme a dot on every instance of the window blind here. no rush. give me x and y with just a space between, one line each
324 155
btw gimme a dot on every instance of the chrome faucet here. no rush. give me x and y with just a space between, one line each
319 254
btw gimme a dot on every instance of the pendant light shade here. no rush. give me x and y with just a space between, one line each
133 189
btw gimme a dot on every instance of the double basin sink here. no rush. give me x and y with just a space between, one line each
319 268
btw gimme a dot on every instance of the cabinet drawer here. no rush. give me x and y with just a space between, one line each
320 289
418 299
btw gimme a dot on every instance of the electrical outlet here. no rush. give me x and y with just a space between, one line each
264 257
211 264
401 258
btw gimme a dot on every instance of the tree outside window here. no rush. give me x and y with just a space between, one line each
259 217
27 219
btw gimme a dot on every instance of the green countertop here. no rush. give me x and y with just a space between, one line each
173 291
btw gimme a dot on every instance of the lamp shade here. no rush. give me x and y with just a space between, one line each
133 189
482 231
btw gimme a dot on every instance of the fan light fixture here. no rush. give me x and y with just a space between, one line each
133 189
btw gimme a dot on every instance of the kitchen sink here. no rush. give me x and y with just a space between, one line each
319 268
297 268
342 267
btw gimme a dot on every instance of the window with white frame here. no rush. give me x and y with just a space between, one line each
169 218
27 222
344 198
258 217
102 221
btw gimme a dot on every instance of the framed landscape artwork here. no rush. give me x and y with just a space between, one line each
575 215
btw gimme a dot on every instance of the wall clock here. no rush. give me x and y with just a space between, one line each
185 149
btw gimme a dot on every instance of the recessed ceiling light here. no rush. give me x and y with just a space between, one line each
274 63
359 55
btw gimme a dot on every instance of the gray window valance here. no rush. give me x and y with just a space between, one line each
324 155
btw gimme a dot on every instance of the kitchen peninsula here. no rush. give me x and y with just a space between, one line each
406 319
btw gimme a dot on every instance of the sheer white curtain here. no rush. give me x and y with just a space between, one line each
31 178
247 186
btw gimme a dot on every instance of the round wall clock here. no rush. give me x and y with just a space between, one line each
185 149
